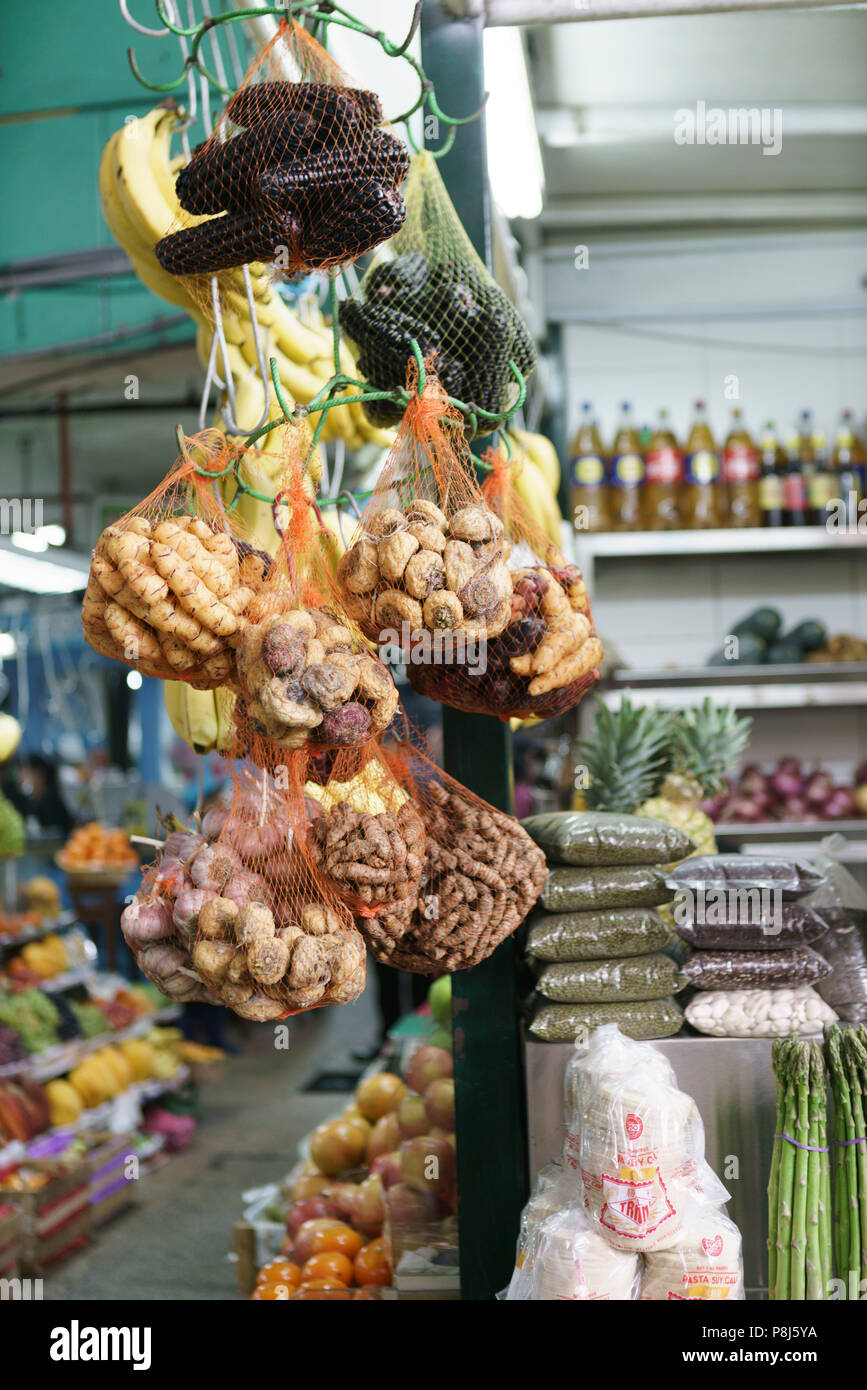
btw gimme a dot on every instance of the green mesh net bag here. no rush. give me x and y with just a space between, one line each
428 284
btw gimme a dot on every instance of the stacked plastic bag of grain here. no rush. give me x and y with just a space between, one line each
753 967
595 937
634 1211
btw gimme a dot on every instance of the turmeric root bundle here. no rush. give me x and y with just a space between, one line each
168 597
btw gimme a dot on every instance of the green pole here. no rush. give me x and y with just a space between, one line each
490 1085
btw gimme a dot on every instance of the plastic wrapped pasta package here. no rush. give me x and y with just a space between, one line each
577 936
791 878
567 1257
705 1262
610 981
607 1054
778 926
642 1020
589 838
731 970
584 889
759 1013
556 1187
639 1146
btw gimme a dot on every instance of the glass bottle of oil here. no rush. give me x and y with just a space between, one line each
589 492
627 474
740 471
701 501
663 478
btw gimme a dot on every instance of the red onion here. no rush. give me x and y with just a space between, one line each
787 783
744 808
841 804
794 808
789 765
753 782
817 789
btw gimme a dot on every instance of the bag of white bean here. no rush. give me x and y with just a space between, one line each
759 1013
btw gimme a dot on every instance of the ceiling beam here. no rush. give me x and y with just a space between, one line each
534 12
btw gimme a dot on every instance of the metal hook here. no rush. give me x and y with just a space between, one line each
141 28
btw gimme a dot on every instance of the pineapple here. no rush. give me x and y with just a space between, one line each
707 740
661 764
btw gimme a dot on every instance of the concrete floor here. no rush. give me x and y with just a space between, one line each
173 1243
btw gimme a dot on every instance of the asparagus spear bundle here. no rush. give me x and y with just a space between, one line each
847 1065
799 1208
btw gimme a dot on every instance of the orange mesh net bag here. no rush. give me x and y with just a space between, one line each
480 877
237 914
547 655
305 676
171 580
426 571
300 173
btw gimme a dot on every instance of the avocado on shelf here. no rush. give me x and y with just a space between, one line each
751 651
785 653
766 623
809 635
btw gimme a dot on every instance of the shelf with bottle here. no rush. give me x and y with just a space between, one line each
840 686
652 485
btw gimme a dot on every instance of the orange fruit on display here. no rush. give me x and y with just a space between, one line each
372 1264
379 1094
272 1293
279 1272
329 1265
341 1239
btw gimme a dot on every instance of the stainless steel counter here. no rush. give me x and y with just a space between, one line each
732 1082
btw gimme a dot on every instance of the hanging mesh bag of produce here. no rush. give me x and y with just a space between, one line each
429 285
171 581
547 656
426 575
300 171
306 677
480 876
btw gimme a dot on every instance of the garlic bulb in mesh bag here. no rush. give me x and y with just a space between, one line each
567 1258
705 1263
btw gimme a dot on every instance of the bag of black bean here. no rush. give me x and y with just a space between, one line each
790 878
777 928
730 970
584 889
592 935
655 1018
610 981
588 838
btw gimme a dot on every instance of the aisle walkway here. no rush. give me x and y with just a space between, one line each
173 1244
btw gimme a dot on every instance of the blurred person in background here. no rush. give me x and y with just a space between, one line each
34 790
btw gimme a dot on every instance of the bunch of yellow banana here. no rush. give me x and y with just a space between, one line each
137 188
535 470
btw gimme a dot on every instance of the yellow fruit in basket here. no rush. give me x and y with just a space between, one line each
140 1056
120 1065
83 1081
102 1070
65 1102
164 1065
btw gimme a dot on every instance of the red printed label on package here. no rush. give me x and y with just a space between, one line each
634 1209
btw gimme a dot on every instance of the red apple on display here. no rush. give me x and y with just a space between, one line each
428 1164
302 1247
309 1210
388 1168
439 1103
412 1117
384 1137
369 1209
341 1198
428 1064
409 1209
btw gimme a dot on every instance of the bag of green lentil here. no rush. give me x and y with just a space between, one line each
581 890
655 1018
592 935
606 837
611 981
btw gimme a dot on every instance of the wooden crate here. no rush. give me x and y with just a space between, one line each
10 1223
110 1190
56 1219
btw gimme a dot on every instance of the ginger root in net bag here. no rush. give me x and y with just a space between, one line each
567 1257
429 285
170 582
298 173
426 574
481 875
364 834
547 656
639 1147
305 676
705 1262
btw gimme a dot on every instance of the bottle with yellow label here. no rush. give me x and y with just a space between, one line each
740 471
848 462
821 484
589 492
627 474
773 469
701 503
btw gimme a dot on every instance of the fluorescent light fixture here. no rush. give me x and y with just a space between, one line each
8 645
55 535
29 540
514 159
38 576
134 680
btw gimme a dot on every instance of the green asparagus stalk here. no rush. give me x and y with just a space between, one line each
777 1052
786 1180
815 1283
840 1217
825 1171
857 1058
851 1238
798 1276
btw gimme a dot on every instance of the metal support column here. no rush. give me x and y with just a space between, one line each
490 1087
